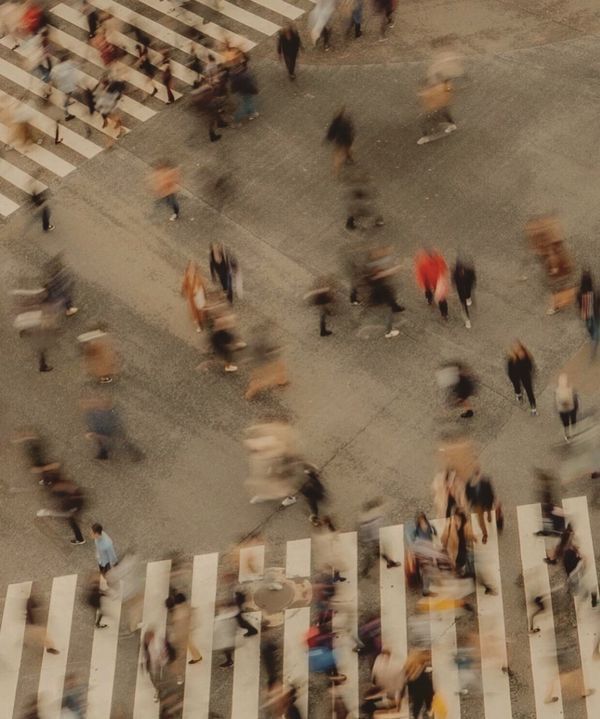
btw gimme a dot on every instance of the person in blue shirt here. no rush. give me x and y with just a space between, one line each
105 550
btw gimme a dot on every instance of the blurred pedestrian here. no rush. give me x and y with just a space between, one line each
11 16
39 199
269 367
356 18
567 404
167 75
59 284
460 384
155 652
179 631
64 77
105 550
589 308
319 22
313 490
99 355
128 577
386 9
194 291
91 16
341 135
225 629
288 47
431 272
481 496
418 681
95 595
166 181
106 428
224 267
327 551
69 500
464 279
223 340
35 629
323 298
74 696
520 368
436 98
371 520
379 271
243 83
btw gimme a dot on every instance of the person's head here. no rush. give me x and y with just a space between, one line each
97 529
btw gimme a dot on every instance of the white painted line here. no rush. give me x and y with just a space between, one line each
197 677
345 622
154 29
130 74
246 668
281 7
242 16
577 512
18 178
443 650
297 624
40 155
542 645
11 643
54 666
7 206
181 72
215 31
490 611
104 660
48 126
155 616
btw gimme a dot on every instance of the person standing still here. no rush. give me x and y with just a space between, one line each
105 550
520 369
166 181
288 47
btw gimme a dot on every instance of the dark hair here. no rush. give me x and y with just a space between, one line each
97 528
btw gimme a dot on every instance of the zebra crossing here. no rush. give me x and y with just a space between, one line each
168 23
394 611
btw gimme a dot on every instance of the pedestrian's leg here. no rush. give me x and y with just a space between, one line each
429 296
516 383
390 321
444 114
323 323
244 624
326 35
57 139
76 530
43 365
529 391
46 218
170 96
443 305
539 608
172 200
193 650
354 295
481 522
228 658
102 443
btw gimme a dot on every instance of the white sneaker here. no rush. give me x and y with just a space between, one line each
468 301
71 311
288 501
257 498
392 333
253 116
423 140
231 368
468 324
534 412
43 513
450 128
174 217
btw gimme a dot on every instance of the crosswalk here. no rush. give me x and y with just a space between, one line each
395 611
168 23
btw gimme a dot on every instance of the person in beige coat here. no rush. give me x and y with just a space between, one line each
99 356
180 627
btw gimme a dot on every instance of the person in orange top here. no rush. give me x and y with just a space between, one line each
166 181
194 291
431 273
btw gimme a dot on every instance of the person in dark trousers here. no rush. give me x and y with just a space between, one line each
418 681
313 491
223 266
481 497
167 75
341 135
371 520
464 279
385 8
94 598
240 599
323 298
59 285
243 83
39 198
288 47
356 18
567 405
91 15
520 369
70 501
589 308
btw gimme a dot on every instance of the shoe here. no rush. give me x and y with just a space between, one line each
50 227
549 561
314 520
250 632
52 650
533 412
339 678
106 380
231 368
179 681
72 311
77 541
292 76
468 301
43 513
355 303
228 663
399 308
253 116
100 626
392 333
468 414
567 438
594 600
450 128
288 501
47 368
326 333
491 591
519 397
214 138
468 324
392 565
552 311
423 140
174 217
195 661
69 117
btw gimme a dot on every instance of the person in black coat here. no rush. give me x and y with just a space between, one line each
464 279
341 135
288 46
520 369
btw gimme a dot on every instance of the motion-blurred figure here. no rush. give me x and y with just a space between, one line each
372 519
99 355
520 368
464 280
589 308
106 428
194 291
224 268
431 272
460 384
288 47
94 598
386 9
341 135
567 404
129 576
323 298
59 284
319 22
166 181
69 501
180 626
446 63
436 98
379 271
269 368
35 630
223 338
243 83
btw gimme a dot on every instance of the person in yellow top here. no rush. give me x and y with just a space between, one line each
166 182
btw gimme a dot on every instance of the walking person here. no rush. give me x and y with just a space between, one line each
341 135
224 266
59 285
567 405
64 77
288 47
167 75
180 627
95 595
39 199
460 384
436 98
379 270
589 308
313 490
144 64
386 9
69 500
520 369
35 630
194 291
431 272
356 18
323 298
99 356
319 22
166 181
464 280
480 494
105 550
371 520
243 83
155 658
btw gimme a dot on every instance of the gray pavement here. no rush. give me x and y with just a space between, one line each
367 409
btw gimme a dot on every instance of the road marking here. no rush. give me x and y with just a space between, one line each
209 28
18 178
345 623
576 509
104 660
542 645
297 624
246 668
197 676
47 126
281 7
44 158
12 633
181 72
130 74
58 627
490 613
154 616
7 206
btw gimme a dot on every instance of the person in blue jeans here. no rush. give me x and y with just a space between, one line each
243 83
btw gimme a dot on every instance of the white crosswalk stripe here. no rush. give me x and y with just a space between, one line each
247 680
219 21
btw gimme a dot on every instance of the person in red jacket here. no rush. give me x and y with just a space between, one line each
431 273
